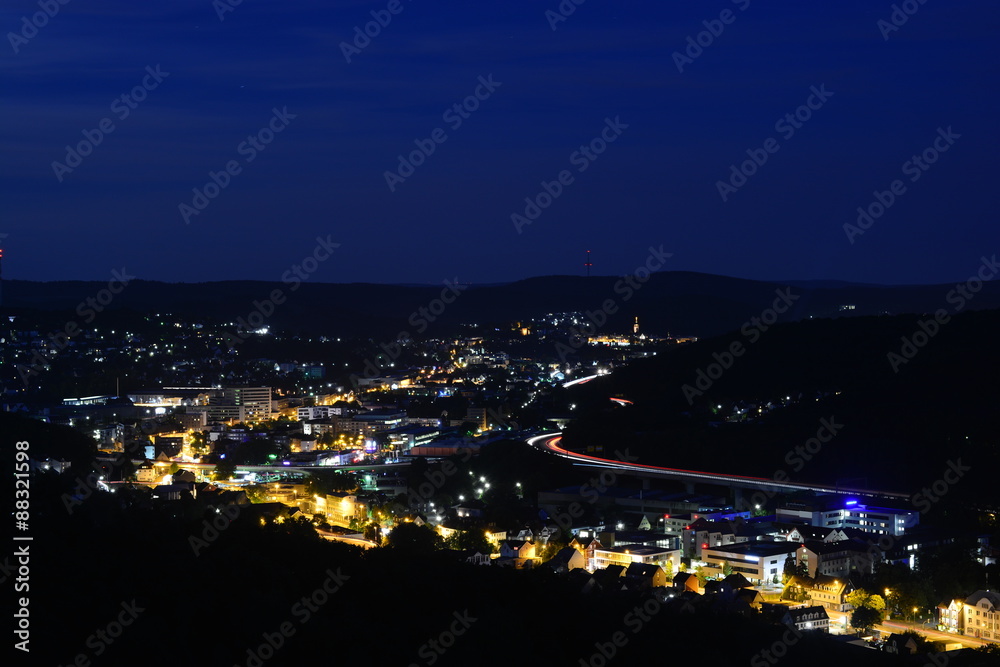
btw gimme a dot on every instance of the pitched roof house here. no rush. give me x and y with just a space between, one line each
807 618
642 576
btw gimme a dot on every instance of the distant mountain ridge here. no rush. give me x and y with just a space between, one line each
826 284
682 303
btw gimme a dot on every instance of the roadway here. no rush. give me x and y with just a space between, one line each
348 539
550 443
896 627
840 623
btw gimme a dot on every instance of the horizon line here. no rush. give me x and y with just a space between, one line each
843 282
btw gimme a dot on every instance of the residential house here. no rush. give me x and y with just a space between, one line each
728 587
588 546
517 549
807 618
982 615
824 591
525 535
736 581
951 616
566 560
611 578
751 596
476 557
686 581
547 532
716 587
518 554
644 576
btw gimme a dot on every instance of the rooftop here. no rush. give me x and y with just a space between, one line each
638 550
759 549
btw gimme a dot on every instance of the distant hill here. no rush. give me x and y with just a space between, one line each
900 429
825 284
682 303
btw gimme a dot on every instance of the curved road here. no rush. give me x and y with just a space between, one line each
550 443
347 539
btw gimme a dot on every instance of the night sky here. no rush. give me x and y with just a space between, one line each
655 184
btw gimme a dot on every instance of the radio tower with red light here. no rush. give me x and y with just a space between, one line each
588 264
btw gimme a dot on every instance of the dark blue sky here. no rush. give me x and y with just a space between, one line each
655 185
